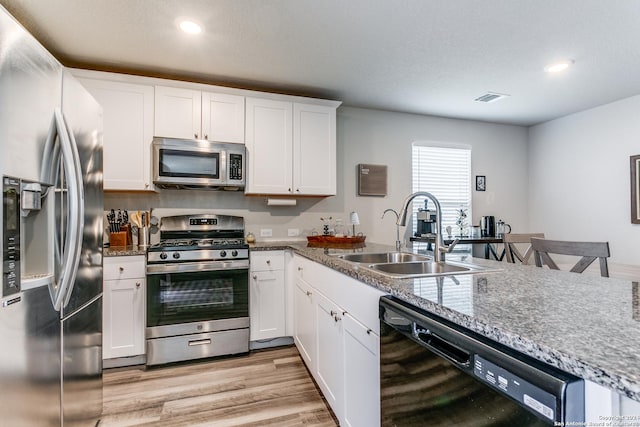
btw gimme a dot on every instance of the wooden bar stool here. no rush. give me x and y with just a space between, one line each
589 251
512 253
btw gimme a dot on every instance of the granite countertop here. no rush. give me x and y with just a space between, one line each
581 323
124 250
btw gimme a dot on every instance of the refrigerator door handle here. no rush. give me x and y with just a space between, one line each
77 215
69 255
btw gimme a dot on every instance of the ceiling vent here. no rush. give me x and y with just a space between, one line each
491 97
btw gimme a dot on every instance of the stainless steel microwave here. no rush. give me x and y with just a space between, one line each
198 164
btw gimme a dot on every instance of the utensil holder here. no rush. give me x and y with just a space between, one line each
143 237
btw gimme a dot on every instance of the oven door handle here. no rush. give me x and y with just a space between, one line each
197 267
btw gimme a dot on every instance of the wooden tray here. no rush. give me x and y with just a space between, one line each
322 241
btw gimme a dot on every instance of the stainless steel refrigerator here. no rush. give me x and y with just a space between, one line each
51 295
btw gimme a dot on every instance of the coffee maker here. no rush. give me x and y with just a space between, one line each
426 221
488 226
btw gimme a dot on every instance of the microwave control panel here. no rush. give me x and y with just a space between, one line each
10 236
235 166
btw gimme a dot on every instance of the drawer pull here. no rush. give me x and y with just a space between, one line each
121 269
268 262
299 268
137 284
200 342
369 331
308 293
333 313
255 277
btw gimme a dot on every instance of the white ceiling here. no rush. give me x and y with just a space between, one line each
418 56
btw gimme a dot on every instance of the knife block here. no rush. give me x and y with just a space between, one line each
118 238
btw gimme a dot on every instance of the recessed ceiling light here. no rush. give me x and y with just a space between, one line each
190 27
558 66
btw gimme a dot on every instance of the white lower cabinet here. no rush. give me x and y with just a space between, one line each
267 295
330 363
336 332
304 326
361 374
123 315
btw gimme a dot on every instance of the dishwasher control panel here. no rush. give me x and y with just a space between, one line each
532 397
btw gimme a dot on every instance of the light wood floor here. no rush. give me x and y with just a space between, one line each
269 387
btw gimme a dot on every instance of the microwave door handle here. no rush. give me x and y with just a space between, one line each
223 166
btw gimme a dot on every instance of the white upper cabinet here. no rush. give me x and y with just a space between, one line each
223 117
188 113
291 148
314 149
269 141
177 113
128 132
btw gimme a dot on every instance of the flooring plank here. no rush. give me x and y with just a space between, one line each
265 388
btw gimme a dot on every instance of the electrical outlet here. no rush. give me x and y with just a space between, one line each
266 232
293 232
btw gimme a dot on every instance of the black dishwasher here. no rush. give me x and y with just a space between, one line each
434 373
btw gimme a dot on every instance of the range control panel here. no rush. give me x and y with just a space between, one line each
10 236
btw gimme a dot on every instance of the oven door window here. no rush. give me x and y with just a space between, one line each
193 297
198 164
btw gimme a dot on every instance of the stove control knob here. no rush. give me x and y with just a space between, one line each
234 253
223 254
176 255
163 255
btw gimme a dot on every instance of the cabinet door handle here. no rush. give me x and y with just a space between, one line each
121 269
195 135
137 284
298 190
255 277
308 293
268 262
369 331
333 313
289 190
336 318
299 268
206 136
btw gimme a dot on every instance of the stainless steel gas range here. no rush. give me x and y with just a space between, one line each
197 289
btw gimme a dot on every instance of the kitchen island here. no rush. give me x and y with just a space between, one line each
583 324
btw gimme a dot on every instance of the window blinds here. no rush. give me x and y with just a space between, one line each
446 173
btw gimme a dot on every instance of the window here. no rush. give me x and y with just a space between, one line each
444 172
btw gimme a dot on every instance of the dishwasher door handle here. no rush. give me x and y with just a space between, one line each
442 347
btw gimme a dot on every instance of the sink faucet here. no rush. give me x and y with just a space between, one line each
439 247
398 242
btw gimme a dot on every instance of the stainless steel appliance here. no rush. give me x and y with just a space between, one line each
488 226
198 164
197 289
434 373
51 299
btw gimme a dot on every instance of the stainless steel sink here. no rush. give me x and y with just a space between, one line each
384 258
425 269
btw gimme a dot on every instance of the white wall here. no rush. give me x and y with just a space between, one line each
579 177
379 137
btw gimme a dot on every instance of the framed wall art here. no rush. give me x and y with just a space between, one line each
481 183
635 189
